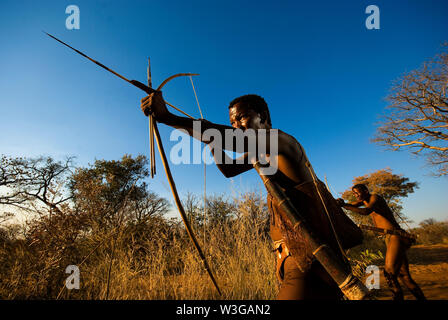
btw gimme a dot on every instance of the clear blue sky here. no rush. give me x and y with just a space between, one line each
315 62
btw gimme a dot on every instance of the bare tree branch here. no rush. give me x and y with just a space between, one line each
418 119
27 180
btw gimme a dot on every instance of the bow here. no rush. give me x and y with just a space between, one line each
154 131
173 185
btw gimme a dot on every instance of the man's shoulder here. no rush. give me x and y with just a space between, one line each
287 144
377 195
286 138
377 198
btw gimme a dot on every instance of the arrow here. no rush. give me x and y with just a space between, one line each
135 83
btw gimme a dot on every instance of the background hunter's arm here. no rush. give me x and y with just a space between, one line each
368 209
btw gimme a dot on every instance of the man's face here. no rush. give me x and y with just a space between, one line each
360 195
242 117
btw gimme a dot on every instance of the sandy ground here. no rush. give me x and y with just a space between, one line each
428 265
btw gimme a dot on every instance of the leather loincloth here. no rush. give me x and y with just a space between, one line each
406 242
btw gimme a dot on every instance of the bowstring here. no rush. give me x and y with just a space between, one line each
205 165
313 175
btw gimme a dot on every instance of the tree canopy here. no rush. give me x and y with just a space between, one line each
418 113
392 187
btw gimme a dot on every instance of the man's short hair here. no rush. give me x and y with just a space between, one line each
255 103
361 187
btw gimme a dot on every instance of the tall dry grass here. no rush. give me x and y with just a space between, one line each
154 259
150 262
238 251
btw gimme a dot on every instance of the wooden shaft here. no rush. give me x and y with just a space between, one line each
152 158
180 110
152 163
136 83
387 231
349 285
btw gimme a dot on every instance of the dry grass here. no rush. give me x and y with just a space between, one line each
238 250
155 260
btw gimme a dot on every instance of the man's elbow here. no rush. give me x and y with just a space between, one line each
226 172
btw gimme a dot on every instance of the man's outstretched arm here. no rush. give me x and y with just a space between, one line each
155 105
368 209
215 137
230 167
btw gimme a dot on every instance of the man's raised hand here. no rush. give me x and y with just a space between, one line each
154 105
340 202
145 105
